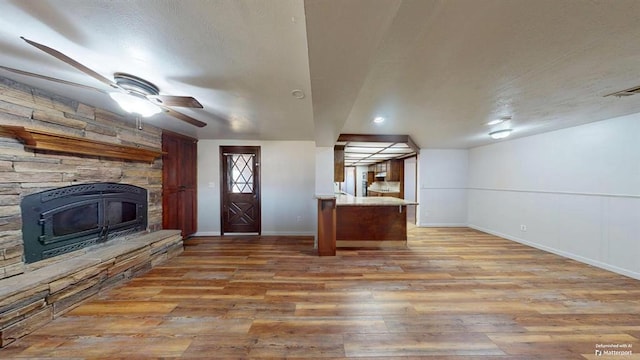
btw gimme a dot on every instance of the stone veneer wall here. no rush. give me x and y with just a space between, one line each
23 171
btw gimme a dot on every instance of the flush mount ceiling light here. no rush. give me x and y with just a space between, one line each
500 134
298 94
499 121
378 120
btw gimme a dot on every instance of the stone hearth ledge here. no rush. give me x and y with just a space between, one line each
30 300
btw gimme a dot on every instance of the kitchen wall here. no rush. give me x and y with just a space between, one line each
324 178
410 178
442 192
574 192
288 183
385 186
361 175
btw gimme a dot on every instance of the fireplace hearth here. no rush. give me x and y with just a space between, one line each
62 220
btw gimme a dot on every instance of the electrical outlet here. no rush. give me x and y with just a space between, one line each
523 227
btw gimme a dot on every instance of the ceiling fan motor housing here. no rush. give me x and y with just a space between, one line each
136 85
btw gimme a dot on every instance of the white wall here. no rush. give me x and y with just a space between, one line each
442 192
410 178
349 185
361 175
576 190
288 183
324 171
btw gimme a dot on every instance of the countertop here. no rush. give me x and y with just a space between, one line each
385 191
350 200
325 197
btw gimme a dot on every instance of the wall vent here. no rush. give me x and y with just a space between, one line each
627 92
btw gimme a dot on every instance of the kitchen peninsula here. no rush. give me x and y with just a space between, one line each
371 221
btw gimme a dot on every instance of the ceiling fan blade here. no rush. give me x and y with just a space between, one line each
171 100
21 72
60 56
183 117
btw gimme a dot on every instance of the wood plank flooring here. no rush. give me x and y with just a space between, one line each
453 294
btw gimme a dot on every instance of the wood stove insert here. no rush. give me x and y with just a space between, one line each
66 219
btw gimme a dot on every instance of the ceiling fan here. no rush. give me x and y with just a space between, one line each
133 94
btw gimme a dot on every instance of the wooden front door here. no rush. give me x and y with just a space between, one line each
240 187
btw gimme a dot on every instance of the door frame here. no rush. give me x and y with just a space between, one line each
257 182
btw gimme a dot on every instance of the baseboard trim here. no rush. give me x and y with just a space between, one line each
426 225
596 263
264 233
371 243
207 233
287 233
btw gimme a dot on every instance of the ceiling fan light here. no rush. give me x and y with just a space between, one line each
500 134
135 105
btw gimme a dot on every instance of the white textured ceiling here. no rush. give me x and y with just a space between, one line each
436 70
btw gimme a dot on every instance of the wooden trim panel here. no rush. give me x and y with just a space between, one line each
380 138
44 140
379 223
327 227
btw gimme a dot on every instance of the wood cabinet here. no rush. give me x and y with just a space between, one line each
371 177
395 170
360 225
327 226
338 163
373 193
179 175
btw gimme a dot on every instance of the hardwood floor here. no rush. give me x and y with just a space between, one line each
453 294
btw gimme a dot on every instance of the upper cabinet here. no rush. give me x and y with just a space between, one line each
390 170
371 177
395 170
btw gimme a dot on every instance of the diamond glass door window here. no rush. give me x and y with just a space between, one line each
241 174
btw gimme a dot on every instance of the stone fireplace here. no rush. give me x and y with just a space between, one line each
89 222
24 171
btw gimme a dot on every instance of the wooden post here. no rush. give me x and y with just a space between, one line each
327 226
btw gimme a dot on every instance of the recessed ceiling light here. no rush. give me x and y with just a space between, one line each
298 94
378 120
500 134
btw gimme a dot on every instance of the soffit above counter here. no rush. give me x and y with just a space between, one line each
364 150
